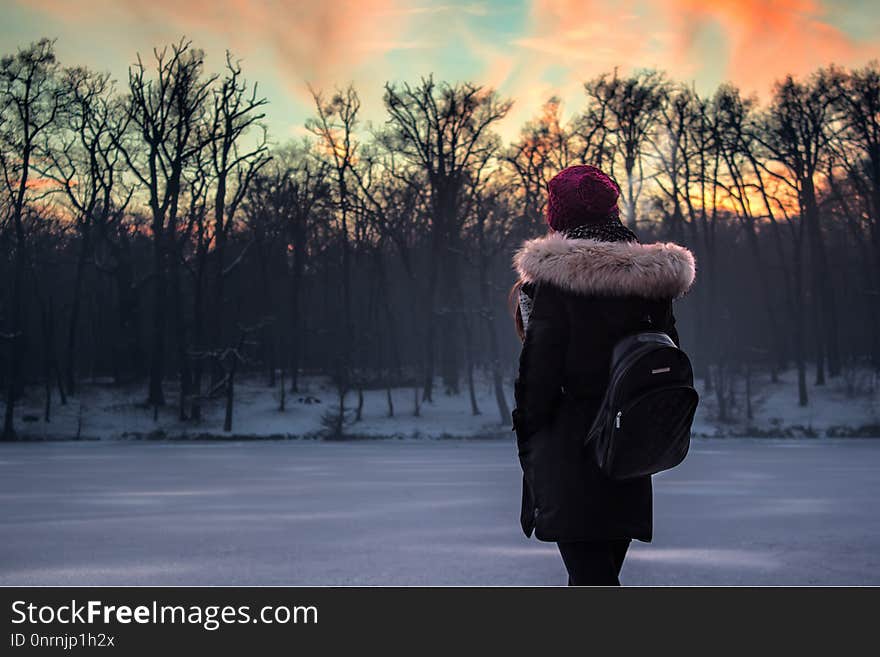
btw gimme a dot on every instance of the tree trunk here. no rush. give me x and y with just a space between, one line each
359 410
16 341
156 395
70 364
430 318
491 332
778 358
198 333
347 328
823 282
452 304
52 350
629 165
798 303
469 353
283 401
181 342
749 414
297 335
16 311
230 399
390 401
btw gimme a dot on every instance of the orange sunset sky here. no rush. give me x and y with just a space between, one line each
528 50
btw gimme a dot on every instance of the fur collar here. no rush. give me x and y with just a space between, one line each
586 266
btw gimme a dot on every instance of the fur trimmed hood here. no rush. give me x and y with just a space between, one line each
586 266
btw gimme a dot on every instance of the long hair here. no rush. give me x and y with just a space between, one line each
513 303
515 310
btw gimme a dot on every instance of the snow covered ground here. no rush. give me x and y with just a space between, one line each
107 411
845 406
738 511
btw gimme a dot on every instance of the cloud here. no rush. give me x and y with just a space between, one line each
758 41
319 40
547 48
752 43
475 9
767 40
588 33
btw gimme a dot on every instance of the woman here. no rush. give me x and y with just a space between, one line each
582 287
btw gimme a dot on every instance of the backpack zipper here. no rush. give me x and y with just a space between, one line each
609 455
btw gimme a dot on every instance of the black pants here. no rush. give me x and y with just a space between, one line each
594 563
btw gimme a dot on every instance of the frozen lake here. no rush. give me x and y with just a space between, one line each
408 512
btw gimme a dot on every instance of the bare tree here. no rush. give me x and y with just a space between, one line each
31 97
45 230
692 165
237 108
856 150
160 134
334 126
624 112
858 100
796 134
732 117
393 203
492 225
544 148
82 160
443 130
302 187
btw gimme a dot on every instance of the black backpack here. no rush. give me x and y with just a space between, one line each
644 423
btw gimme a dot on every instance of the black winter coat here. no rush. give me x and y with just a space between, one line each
585 295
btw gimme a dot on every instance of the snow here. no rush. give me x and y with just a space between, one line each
102 410
107 411
839 407
410 512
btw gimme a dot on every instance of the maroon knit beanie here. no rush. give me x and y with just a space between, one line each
581 195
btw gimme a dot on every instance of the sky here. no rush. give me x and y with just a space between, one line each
527 50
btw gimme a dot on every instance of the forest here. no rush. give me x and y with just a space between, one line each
152 232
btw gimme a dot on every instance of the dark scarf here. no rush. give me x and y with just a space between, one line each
608 231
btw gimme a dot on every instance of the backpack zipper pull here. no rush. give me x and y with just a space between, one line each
617 420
